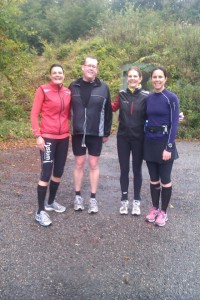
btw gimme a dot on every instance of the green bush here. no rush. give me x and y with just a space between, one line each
14 129
11 111
63 51
136 37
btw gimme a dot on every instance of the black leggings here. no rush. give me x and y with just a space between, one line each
53 158
126 146
160 172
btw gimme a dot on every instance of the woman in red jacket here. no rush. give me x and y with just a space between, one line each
52 104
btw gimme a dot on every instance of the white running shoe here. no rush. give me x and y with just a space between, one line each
43 218
55 206
93 207
78 203
124 207
136 208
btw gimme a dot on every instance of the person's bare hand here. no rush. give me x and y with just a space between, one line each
166 155
40 143
105 138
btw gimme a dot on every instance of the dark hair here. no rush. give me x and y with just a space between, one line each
136 69
161 69
55 65
91 57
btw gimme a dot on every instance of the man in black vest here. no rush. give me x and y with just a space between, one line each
91 125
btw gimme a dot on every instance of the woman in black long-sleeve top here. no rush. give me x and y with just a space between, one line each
132 115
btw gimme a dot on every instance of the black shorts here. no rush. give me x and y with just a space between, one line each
93 144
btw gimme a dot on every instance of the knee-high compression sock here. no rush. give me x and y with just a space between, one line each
41 192
165 197
155 194
53 187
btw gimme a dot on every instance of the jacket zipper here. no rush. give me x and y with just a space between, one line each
132 105
61 104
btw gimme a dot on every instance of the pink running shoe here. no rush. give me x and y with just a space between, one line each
152 215
161 218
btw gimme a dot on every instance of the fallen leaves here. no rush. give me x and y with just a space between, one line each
21 143
171 206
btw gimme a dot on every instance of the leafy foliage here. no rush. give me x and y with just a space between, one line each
14 130
136 32
60 21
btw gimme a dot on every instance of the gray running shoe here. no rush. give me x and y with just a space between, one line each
43 218
93 207
136 208
124 207
78 203
55 206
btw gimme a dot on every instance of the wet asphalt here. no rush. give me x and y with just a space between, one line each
103 256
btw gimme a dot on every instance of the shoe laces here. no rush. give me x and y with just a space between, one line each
161 214
153 211
125 204
78 200
44 215
93 202
55 204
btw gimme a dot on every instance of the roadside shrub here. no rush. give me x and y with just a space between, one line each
14 129
63 51
11 111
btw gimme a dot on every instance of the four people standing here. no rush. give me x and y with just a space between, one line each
91 120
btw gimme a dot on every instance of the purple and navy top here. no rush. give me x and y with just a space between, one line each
163 110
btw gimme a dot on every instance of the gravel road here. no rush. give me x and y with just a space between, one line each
104 256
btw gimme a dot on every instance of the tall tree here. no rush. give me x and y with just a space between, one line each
62 20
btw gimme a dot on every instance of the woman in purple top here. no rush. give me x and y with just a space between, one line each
159 145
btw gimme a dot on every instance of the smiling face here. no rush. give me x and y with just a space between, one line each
158 79
89 69
133 79
57 75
